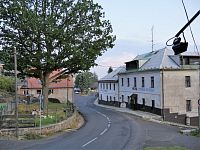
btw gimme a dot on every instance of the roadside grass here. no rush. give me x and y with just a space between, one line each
56 112
165 148
195 133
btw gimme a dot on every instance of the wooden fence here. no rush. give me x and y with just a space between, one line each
9 121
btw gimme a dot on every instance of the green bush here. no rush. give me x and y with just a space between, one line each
7 83
195 133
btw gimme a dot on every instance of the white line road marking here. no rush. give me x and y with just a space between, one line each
103 131
90 142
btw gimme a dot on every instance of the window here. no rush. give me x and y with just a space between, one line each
142 81
110 86
122 81
114 98
50 91
143 103
107 98
38 91
122 98
110 98
128 82
101 96
187 81
152 82
106 85
114 86
103 85
135 82
188 105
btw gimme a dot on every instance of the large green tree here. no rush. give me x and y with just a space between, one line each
53 34
84 80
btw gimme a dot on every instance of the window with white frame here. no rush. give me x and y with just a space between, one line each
135 82
188 105
128 82
187 81
152 82
122 98
142 81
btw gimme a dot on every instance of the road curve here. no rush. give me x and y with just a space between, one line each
108 130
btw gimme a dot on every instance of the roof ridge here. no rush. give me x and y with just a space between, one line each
163 56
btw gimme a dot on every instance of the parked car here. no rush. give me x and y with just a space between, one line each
77 90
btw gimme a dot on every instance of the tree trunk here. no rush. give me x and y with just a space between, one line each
45 90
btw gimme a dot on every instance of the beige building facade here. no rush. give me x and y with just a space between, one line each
62 90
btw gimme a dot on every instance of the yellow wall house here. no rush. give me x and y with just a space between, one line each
61 89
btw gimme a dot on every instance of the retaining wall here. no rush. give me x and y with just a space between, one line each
73 122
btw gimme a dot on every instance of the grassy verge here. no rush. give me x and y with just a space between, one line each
195 133
165 148
56 112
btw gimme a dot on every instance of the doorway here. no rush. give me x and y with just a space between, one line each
133 102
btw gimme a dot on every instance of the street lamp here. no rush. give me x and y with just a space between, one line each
177 45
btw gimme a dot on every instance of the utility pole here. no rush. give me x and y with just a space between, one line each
152 37
16 102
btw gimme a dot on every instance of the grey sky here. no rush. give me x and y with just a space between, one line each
132 21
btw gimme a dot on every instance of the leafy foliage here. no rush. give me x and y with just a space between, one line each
195 133
85 79
7 84
50 35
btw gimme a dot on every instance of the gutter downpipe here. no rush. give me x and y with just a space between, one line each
118 92
163 114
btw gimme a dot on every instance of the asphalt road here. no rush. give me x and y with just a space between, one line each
108 130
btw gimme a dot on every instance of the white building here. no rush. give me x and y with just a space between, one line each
162 83
109 88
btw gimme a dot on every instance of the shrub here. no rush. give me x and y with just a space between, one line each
53 100
7 83
195 133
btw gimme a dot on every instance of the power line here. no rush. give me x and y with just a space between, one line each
190 29
98 65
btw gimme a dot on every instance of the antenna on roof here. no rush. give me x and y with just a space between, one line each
152 37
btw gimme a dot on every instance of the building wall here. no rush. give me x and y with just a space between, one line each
145 92
58 93
62 95
107 92
176 93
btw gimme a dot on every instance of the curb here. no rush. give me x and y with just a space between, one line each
145 117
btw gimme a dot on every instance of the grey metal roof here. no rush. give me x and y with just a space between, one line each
113 76
159 59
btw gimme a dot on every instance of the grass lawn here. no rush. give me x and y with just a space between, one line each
55 112
165 148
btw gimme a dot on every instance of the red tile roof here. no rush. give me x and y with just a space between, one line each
34 83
